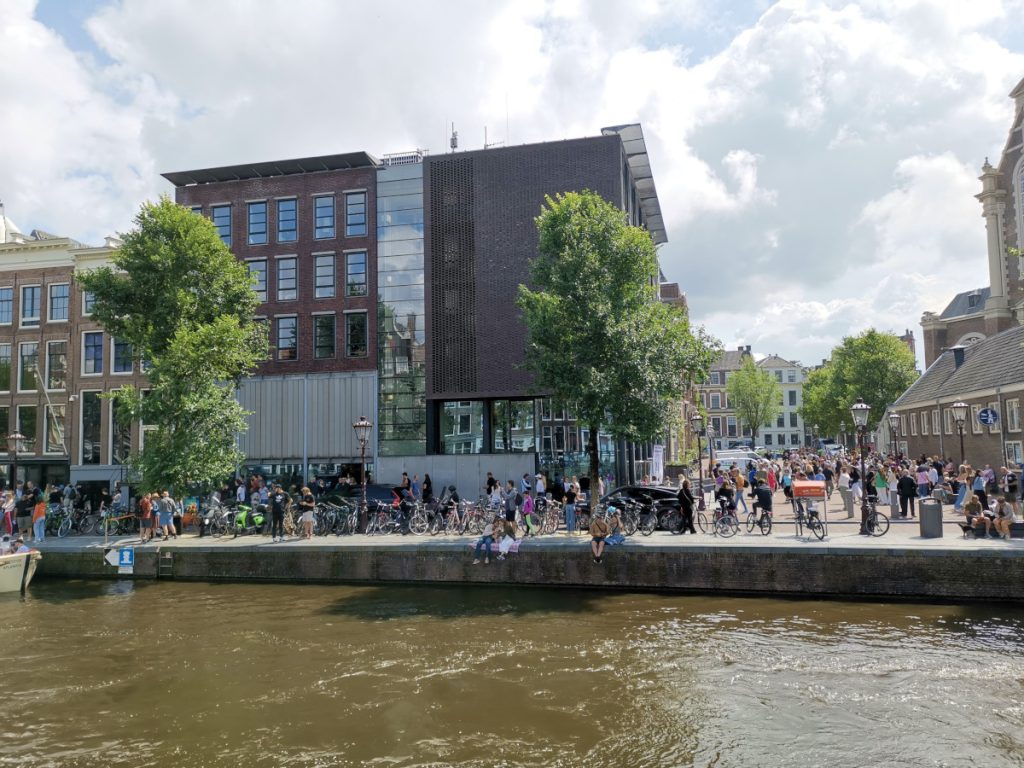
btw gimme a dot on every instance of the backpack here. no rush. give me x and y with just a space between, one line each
519 499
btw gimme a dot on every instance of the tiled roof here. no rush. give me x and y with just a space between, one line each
728 360
992 362
774 361
960 305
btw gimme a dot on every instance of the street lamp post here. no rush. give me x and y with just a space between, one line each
842 433
894 427
13 441
362 429
860 411
697 421
959 409
814 437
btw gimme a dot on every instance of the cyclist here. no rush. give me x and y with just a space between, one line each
763 495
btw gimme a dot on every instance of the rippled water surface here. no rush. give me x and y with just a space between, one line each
165 674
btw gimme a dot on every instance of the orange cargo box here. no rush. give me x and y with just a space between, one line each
809 489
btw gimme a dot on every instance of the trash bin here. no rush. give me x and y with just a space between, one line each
930 514
847 496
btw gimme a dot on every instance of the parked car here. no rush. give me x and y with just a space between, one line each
354 492
739 458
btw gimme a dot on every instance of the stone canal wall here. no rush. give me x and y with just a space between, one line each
944 574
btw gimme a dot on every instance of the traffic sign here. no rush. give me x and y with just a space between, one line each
988 416
123 558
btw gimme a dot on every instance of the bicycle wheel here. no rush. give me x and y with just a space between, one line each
815 526
671 521
751 522
878 524
64 528
728 526
648 525
766 525
630 524
703 523
418 523
583 522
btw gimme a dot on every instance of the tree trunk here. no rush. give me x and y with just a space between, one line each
595 464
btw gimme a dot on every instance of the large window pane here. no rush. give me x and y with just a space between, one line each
287 221
60 296
6 306
512 426
55 429
287 279
286 338
258 273
5 425
5 367
30 300
257 223
324 276
122 357
120 438
88 299
355 334
28 360
27 425
324 217
92 408
355 274
56 365
92 353
323 336
462 427
221 216
355 214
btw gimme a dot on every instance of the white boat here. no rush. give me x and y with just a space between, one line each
16 571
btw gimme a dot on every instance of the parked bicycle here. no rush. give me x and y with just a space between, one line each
722 522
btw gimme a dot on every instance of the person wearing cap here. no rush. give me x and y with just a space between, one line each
540 485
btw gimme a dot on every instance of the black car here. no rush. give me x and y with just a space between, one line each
354 493
660 494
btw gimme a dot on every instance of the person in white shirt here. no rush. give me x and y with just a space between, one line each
240 493
540 486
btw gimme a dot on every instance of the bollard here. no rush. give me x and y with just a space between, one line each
894 505
847 496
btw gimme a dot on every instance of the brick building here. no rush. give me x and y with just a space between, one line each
988 374
984 311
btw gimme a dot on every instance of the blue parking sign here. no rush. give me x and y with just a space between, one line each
988 416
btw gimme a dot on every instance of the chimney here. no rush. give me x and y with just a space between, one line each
958 357
744 349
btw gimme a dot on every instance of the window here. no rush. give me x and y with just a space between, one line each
89 441
287 278
60 297
791 377
27 426
120 436
5 370
258 273
924 423
323 287
323 336
975 424
323 208
5 425
355 334
28 360
355 274
1014 454
122 357
197 209
56 365
730 425
30 299
6 306
936 428
54 429
716 400
778 376
257 223
947 422
794 439
714 377
287 221
92 353
716 425
913 424
792 420
792 396
287 341
1013 415
768 437
355 214
221 215
994 427
88 299
780 421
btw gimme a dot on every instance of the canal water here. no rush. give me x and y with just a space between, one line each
171 674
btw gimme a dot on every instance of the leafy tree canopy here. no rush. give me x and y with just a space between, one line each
177 294
874 365
598 338
755 395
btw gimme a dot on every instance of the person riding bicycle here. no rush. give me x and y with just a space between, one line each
725 497
763 497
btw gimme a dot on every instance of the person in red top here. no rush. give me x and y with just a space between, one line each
145 519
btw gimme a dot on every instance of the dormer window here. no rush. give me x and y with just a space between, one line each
972 300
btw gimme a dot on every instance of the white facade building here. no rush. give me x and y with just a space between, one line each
787 429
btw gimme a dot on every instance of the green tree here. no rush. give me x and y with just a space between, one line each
874 365
755 395
598 338
185 304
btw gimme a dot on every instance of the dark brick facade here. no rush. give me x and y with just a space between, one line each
481 236
303 187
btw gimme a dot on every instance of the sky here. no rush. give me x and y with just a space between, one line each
816 162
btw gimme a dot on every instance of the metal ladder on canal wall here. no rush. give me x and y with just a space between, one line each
165 564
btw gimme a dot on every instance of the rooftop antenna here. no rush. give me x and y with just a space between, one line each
454 141
494 144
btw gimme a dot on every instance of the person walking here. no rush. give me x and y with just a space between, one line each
907 489
428 489
686 503
166 507
278 504
145 518
24 508
39 517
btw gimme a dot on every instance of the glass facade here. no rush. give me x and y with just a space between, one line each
401 415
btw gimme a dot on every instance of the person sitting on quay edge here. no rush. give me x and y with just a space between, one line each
486 539
599 531
1004 517
974 513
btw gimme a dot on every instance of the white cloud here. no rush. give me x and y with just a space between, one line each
816 167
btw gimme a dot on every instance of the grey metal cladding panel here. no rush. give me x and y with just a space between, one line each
510 189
